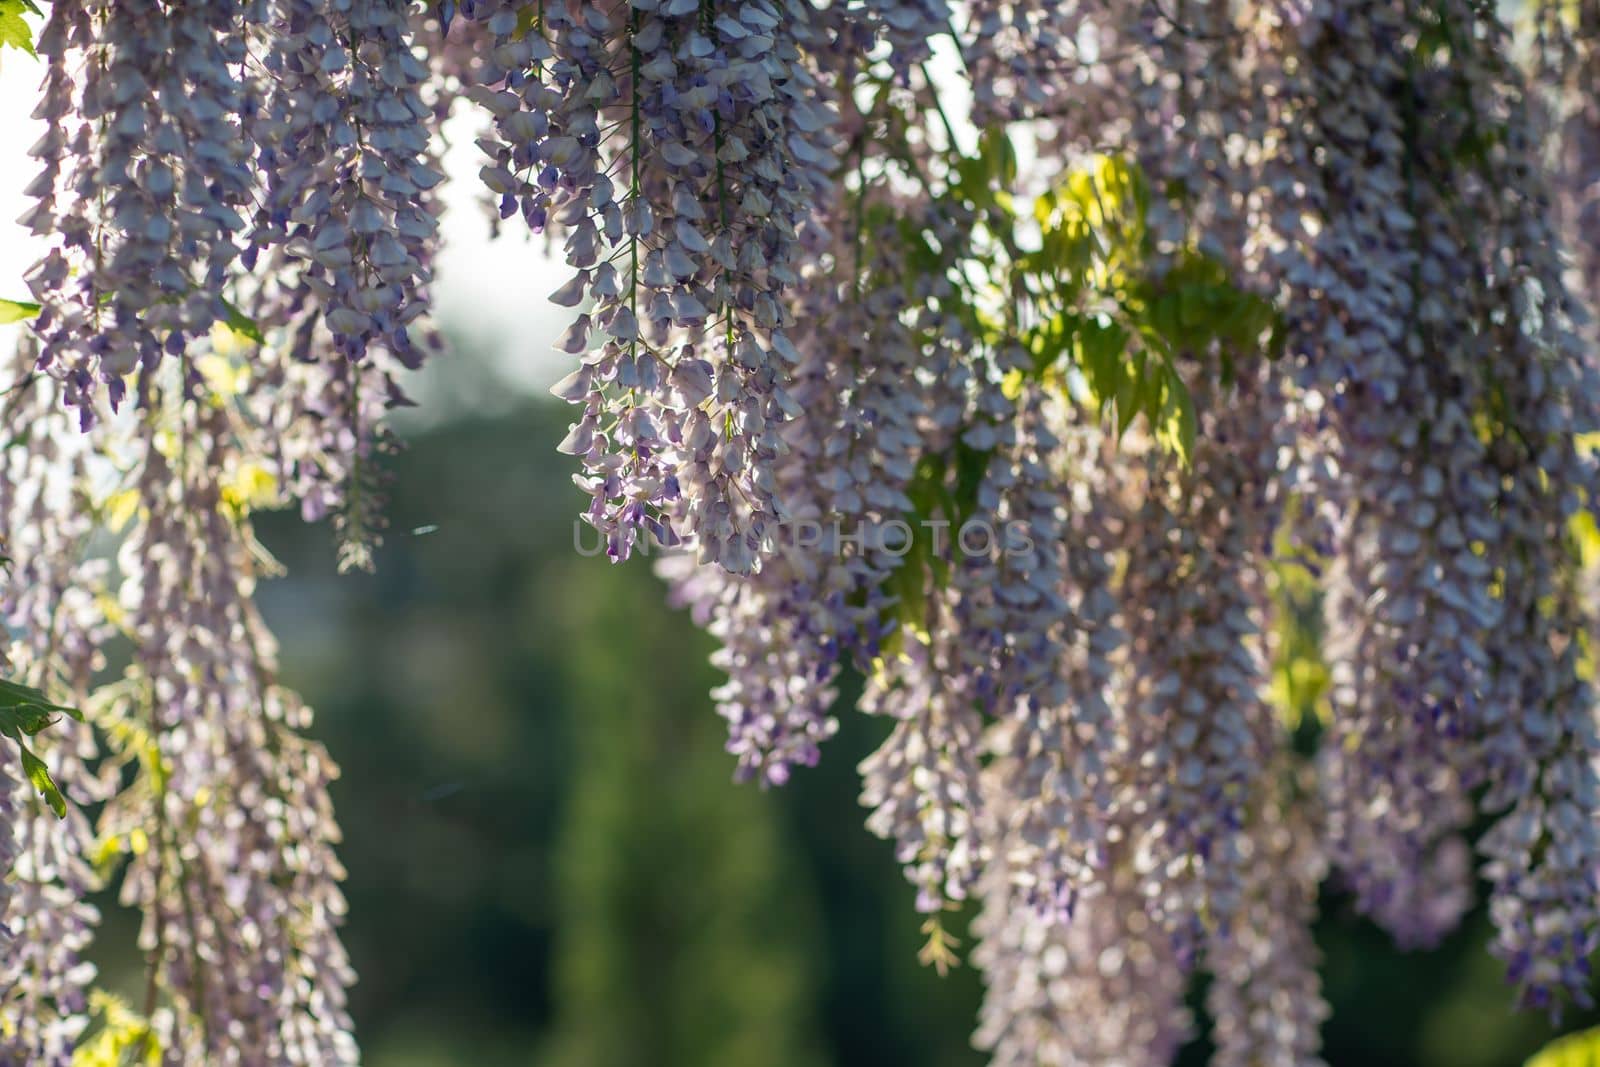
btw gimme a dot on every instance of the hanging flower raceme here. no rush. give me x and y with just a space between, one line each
208 788
1568 48
142 183
848 456
1058 755
345 153
342 247
680 149
278 153
1408 616
1389 455
1101 986
988 646
1191 858
1535 721
53 628
238 881
47 972
1196 714
921 784
1437 569
851 456
1265 998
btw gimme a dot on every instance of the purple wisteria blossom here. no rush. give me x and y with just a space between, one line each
1330 323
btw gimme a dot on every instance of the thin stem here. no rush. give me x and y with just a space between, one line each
634 191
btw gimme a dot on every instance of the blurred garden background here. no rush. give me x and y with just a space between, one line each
548 861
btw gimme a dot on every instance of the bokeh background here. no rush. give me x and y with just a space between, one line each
548 862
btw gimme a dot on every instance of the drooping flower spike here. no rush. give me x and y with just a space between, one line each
1023 420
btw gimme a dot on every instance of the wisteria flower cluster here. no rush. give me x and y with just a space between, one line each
1206 298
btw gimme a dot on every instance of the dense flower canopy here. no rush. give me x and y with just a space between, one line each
1222 342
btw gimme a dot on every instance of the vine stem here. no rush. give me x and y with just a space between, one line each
634 192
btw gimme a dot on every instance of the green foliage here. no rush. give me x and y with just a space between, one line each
15 310
14 29
1113 328
24 712
243 324
25 708
124 1038
1076 282
1300 678
1575 1050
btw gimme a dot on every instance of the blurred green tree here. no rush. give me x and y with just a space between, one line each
685 929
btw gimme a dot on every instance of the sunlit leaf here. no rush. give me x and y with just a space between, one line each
17 699
24 712
14 29
16 310
243 324
1574 1050
38 775
123 1038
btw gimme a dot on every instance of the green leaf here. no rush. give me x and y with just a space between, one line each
1098 353
124 1038
38 774
14 29
1574 1050
28 709
14 310
26 719
999 157
243 324
24 711
1175 429
15 696
530 20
